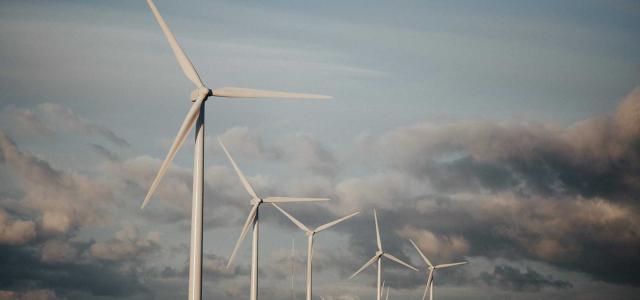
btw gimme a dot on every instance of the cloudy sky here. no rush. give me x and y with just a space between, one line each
503 133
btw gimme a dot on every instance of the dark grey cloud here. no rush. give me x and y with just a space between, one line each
516 190
23 270
60 202
597 157
509 278
494 190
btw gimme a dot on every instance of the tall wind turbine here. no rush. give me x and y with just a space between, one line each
253 218
432 270
195 115
310 234
378 257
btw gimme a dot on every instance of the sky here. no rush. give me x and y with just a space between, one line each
502 133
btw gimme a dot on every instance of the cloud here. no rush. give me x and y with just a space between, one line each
49 118
300 150
509 278
24 272
28 295
25 120
57 251
244 142
594 157
104 152
522 190
128 244
15 232
65 119
62 201
444 247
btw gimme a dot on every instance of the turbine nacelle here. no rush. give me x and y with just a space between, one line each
256 201
201 93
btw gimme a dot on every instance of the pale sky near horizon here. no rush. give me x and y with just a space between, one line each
500 132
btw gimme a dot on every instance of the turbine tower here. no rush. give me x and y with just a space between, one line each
253 218
378 257
310 234
432 270
195 115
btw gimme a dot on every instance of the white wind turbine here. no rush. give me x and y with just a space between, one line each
387 297
378 257
382 290
310 234
432 270
196 116
254 218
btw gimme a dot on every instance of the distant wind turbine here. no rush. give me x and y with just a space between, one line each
387 297
378 257
292 269
195 115
382 290
310 234
253 218
432 270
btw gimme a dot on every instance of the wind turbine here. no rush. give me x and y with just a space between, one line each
291 260
387 297
382 290
253 218
195 115
432 270
310 234
378 257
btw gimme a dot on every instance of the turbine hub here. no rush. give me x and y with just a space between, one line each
379 253
255 201
200 93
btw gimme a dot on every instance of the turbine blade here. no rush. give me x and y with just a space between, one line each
372 260
421 254
382 288
187 124
375 217
186 65
442 266
294 220
243 233
391 257
236 92
292 199
331 224
243 179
